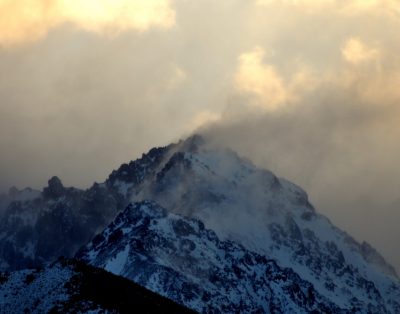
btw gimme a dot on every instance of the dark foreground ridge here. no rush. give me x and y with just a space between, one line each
70 286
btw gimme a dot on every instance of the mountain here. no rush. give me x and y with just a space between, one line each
268 216
182 260
69 286
246 207
39 226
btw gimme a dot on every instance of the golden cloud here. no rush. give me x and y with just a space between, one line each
269 88
391 7
202 119
316 3
29 20
355 51
262 80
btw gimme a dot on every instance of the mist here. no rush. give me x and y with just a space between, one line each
337 152
307 89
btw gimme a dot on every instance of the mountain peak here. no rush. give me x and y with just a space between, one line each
192 143
13 191
55 188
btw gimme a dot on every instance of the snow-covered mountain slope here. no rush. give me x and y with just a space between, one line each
267 215
180 259
69 286
238 201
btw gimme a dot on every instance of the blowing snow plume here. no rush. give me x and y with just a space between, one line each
322 116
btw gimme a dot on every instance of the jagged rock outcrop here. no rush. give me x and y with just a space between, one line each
55 188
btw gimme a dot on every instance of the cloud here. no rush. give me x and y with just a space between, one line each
375 7
260 79
356 52
178 77
308 4
204 119
24 21
349 7
270 90
307 89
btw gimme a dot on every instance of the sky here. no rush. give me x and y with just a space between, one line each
306 88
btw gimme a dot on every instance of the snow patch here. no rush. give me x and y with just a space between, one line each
116 264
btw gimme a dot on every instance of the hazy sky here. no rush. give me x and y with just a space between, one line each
309 89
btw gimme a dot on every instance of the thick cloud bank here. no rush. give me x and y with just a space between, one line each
308 89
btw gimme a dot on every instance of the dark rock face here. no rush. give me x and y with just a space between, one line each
54 223
136 171
55 188
13 191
